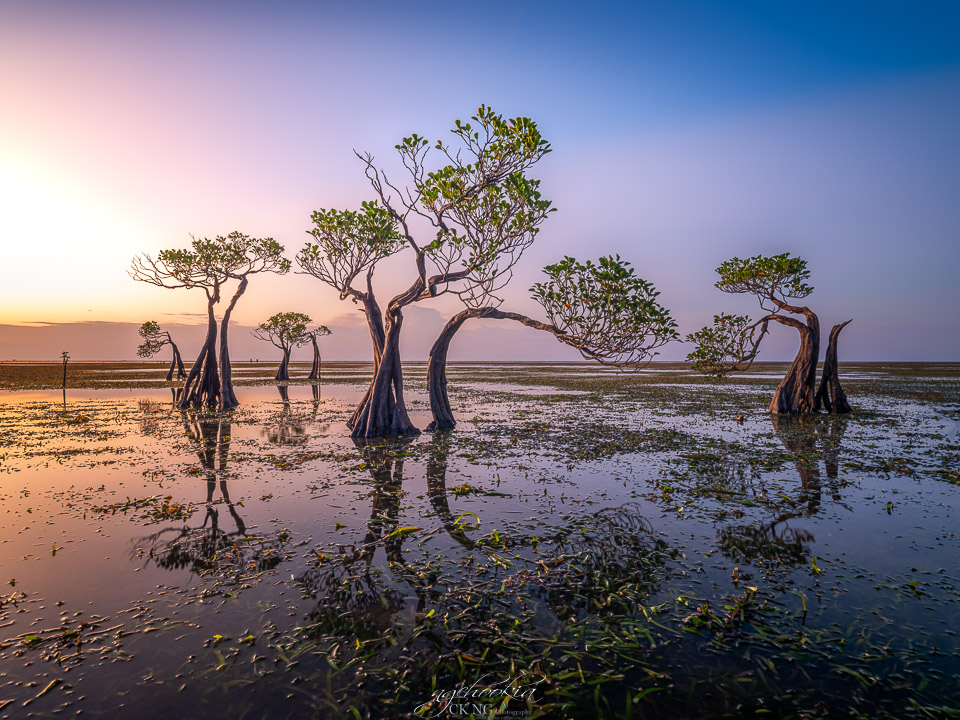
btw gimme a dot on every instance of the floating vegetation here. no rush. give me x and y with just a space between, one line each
602 545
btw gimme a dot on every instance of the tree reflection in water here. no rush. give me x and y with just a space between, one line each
209 547
809 439
285 428
352 591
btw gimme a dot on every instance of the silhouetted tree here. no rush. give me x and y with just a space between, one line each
154 338
210 265
602 309
285 331
731 344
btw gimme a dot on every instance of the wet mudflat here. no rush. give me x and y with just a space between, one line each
602 545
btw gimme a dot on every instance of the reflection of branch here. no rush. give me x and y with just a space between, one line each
437 490
764 541
193 547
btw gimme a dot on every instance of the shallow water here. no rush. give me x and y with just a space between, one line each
623 539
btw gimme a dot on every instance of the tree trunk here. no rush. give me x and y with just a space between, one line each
795 393
830 393
437 372
371 310
202 386
315 368
437 366
176 363
382 411
228 398
283 373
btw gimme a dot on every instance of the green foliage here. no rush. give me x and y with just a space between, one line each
154 338
485 209
348 242
285 330
208 263
721 347
732 342
776 278
605 309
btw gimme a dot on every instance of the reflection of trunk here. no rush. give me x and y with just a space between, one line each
830 393
283 373
176 362
386 468
377 336
284 395
799 438
795 393
382 411
831 434
437 490
228 399
437 367
202 386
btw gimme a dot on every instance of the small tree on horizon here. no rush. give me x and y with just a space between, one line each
286 331
732 342
154 339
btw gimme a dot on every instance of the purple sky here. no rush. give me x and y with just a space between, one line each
683 134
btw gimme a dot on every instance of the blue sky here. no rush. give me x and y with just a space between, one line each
683 133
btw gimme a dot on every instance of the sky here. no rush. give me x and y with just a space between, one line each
683 133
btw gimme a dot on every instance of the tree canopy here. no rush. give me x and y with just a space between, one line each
604 310
154 339
773 279
285 330
348 243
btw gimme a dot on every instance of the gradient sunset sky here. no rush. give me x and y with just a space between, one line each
683 132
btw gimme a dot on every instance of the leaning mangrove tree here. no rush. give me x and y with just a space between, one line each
317 332
603 310
346 247
732 342
154 339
